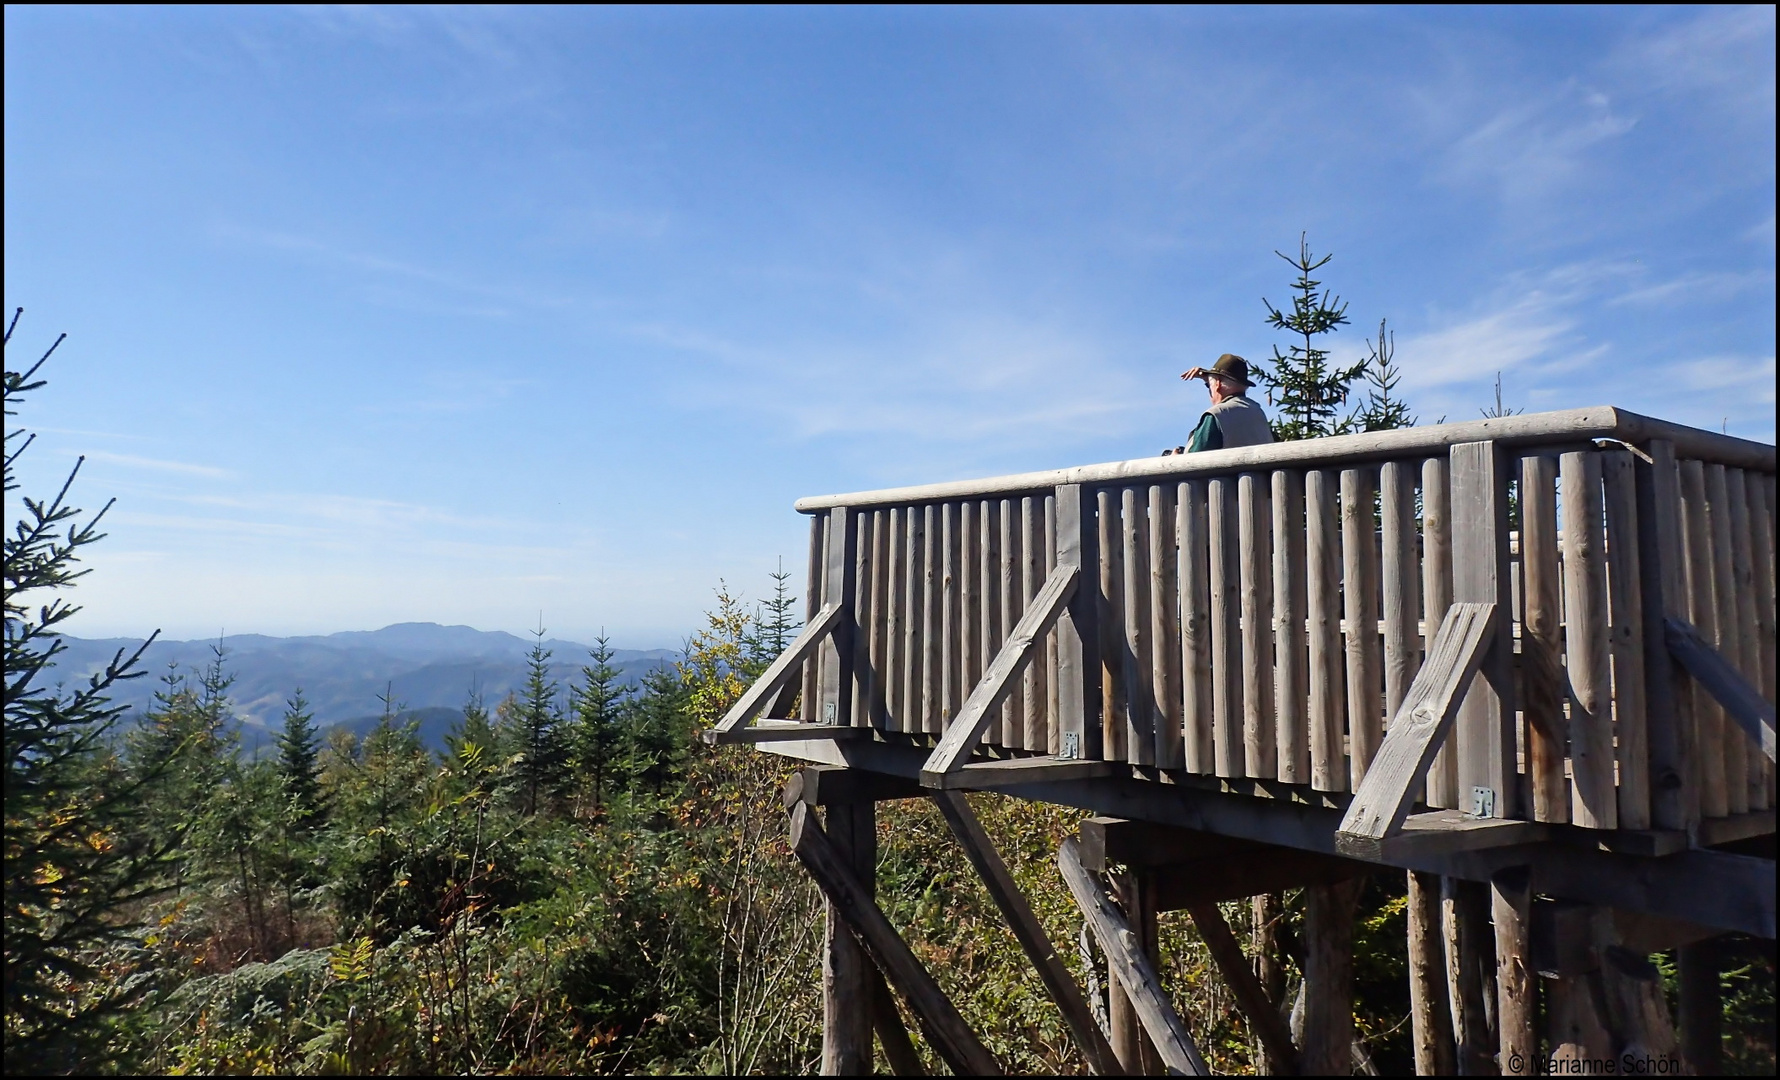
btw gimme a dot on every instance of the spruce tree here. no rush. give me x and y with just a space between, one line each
1382 411
79 860
543 747
598 703
658 728
775 624
299 765
1305 387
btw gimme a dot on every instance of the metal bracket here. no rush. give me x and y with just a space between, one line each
1483 802
1072 746
828 712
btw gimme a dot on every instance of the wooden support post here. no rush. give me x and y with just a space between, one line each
1289 600
1359 601
808 710
1724 591
1328 760
1625 631
1465 914
1543 680
893 1036
1327 1045
940 1022
1138 668
1280 1057
1517 1005
1402 582
1030 933
1165 626
1135 893
1255 517
1577 1000
846 981
1131 966
1436 597
1195 621
1078 633
1637 1010
1702 1007
836 692
1266 932
1485 726
1594 803
1226 629
1430 1016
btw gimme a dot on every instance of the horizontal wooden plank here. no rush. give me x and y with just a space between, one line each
829 785
785 731
756 697
1742 702
1526 429
983 775
1267 869
1440 832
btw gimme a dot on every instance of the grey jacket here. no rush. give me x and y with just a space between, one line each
1236 421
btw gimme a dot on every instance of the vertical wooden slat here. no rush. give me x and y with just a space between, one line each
1078 655
1291 685
914 649
1165 641
989 578
1112 625
1761 548
1625 635
1443 775
1140 741
1709 720
1485 724
1255 564
808 708
864 672
895 611
1669 718
1032 578
1328 761
1541 639
970 604
1053 713
1193 571
1724 586
1748 659
1013 710
1593 802
1402 583
932 634
880 614
1359 597
1226 631
951 675
837 588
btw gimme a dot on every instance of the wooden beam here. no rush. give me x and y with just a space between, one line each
1030 933
893 1036
982 707
1078 632
940 1021
1440 832
1484 731
1517 1002
772 730
1263 1014
830 785
1742 702
1009 772
755 698
1389 787
846 978
1130 966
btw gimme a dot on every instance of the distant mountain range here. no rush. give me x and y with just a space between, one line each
427 668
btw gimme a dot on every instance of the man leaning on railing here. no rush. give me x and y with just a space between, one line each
1233 419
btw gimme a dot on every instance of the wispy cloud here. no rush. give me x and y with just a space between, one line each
1698 286
131 461
1538 146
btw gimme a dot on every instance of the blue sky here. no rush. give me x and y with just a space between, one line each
479 315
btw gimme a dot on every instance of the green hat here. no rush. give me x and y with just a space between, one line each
1232 367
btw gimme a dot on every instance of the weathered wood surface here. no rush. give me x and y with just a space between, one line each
1135 895
1328 758
1165 629
1326 1048
979 709
1078 648
945 1030
1029 932
847 989
1130 966
1748 658
932 635
1138 668
1263 1013
1385 796
895 616
1013 709
1226 631
1517 1001
1442 832
1741 701
1013 772
1724 591
1193 553
1291 658
1112 625
1594 804
1401 579
1571 426
1669 715
784 668
809 709
1436 598
1702 611
829 785
1035 686
893 1036
1484 730
1359 599
1429 1015
1544 683
1465 915
1700 1007
1255 563
1625 637
836 690
771 729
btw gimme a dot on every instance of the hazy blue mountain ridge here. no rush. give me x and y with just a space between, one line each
427 668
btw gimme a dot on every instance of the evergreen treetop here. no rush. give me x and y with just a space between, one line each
1382 411
542 742
1303 385
299 759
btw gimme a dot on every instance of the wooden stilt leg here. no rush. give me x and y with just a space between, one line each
846 979
1327 1047
1136 894
1430 1015
1266 911
1516 1004
1701 1007
1465 913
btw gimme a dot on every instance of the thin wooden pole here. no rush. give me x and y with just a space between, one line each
990 578
1724 590
1625 633
953 691
1465 915
1226 631
1669 719
846 981
1359 597
1328 761
1748 658
1053 700
932 631
1136 1051
1113 691
895 617
1430 1015
893 1036
1436 598
1077 633
1139 671
1709 718
1593 803
1289 598
1402 582
1032 578
811 710
1165 626
1194 572
1517 1004
1280 1057
1543 680
1013 712
1327 1046
1255 559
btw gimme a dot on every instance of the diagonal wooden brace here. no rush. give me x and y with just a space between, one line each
1424 718
732 728
1742 702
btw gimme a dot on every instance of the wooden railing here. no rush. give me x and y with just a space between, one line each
1263 613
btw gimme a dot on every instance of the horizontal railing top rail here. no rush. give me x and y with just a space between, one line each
1528 429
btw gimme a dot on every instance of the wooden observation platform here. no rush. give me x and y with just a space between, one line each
1530 660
